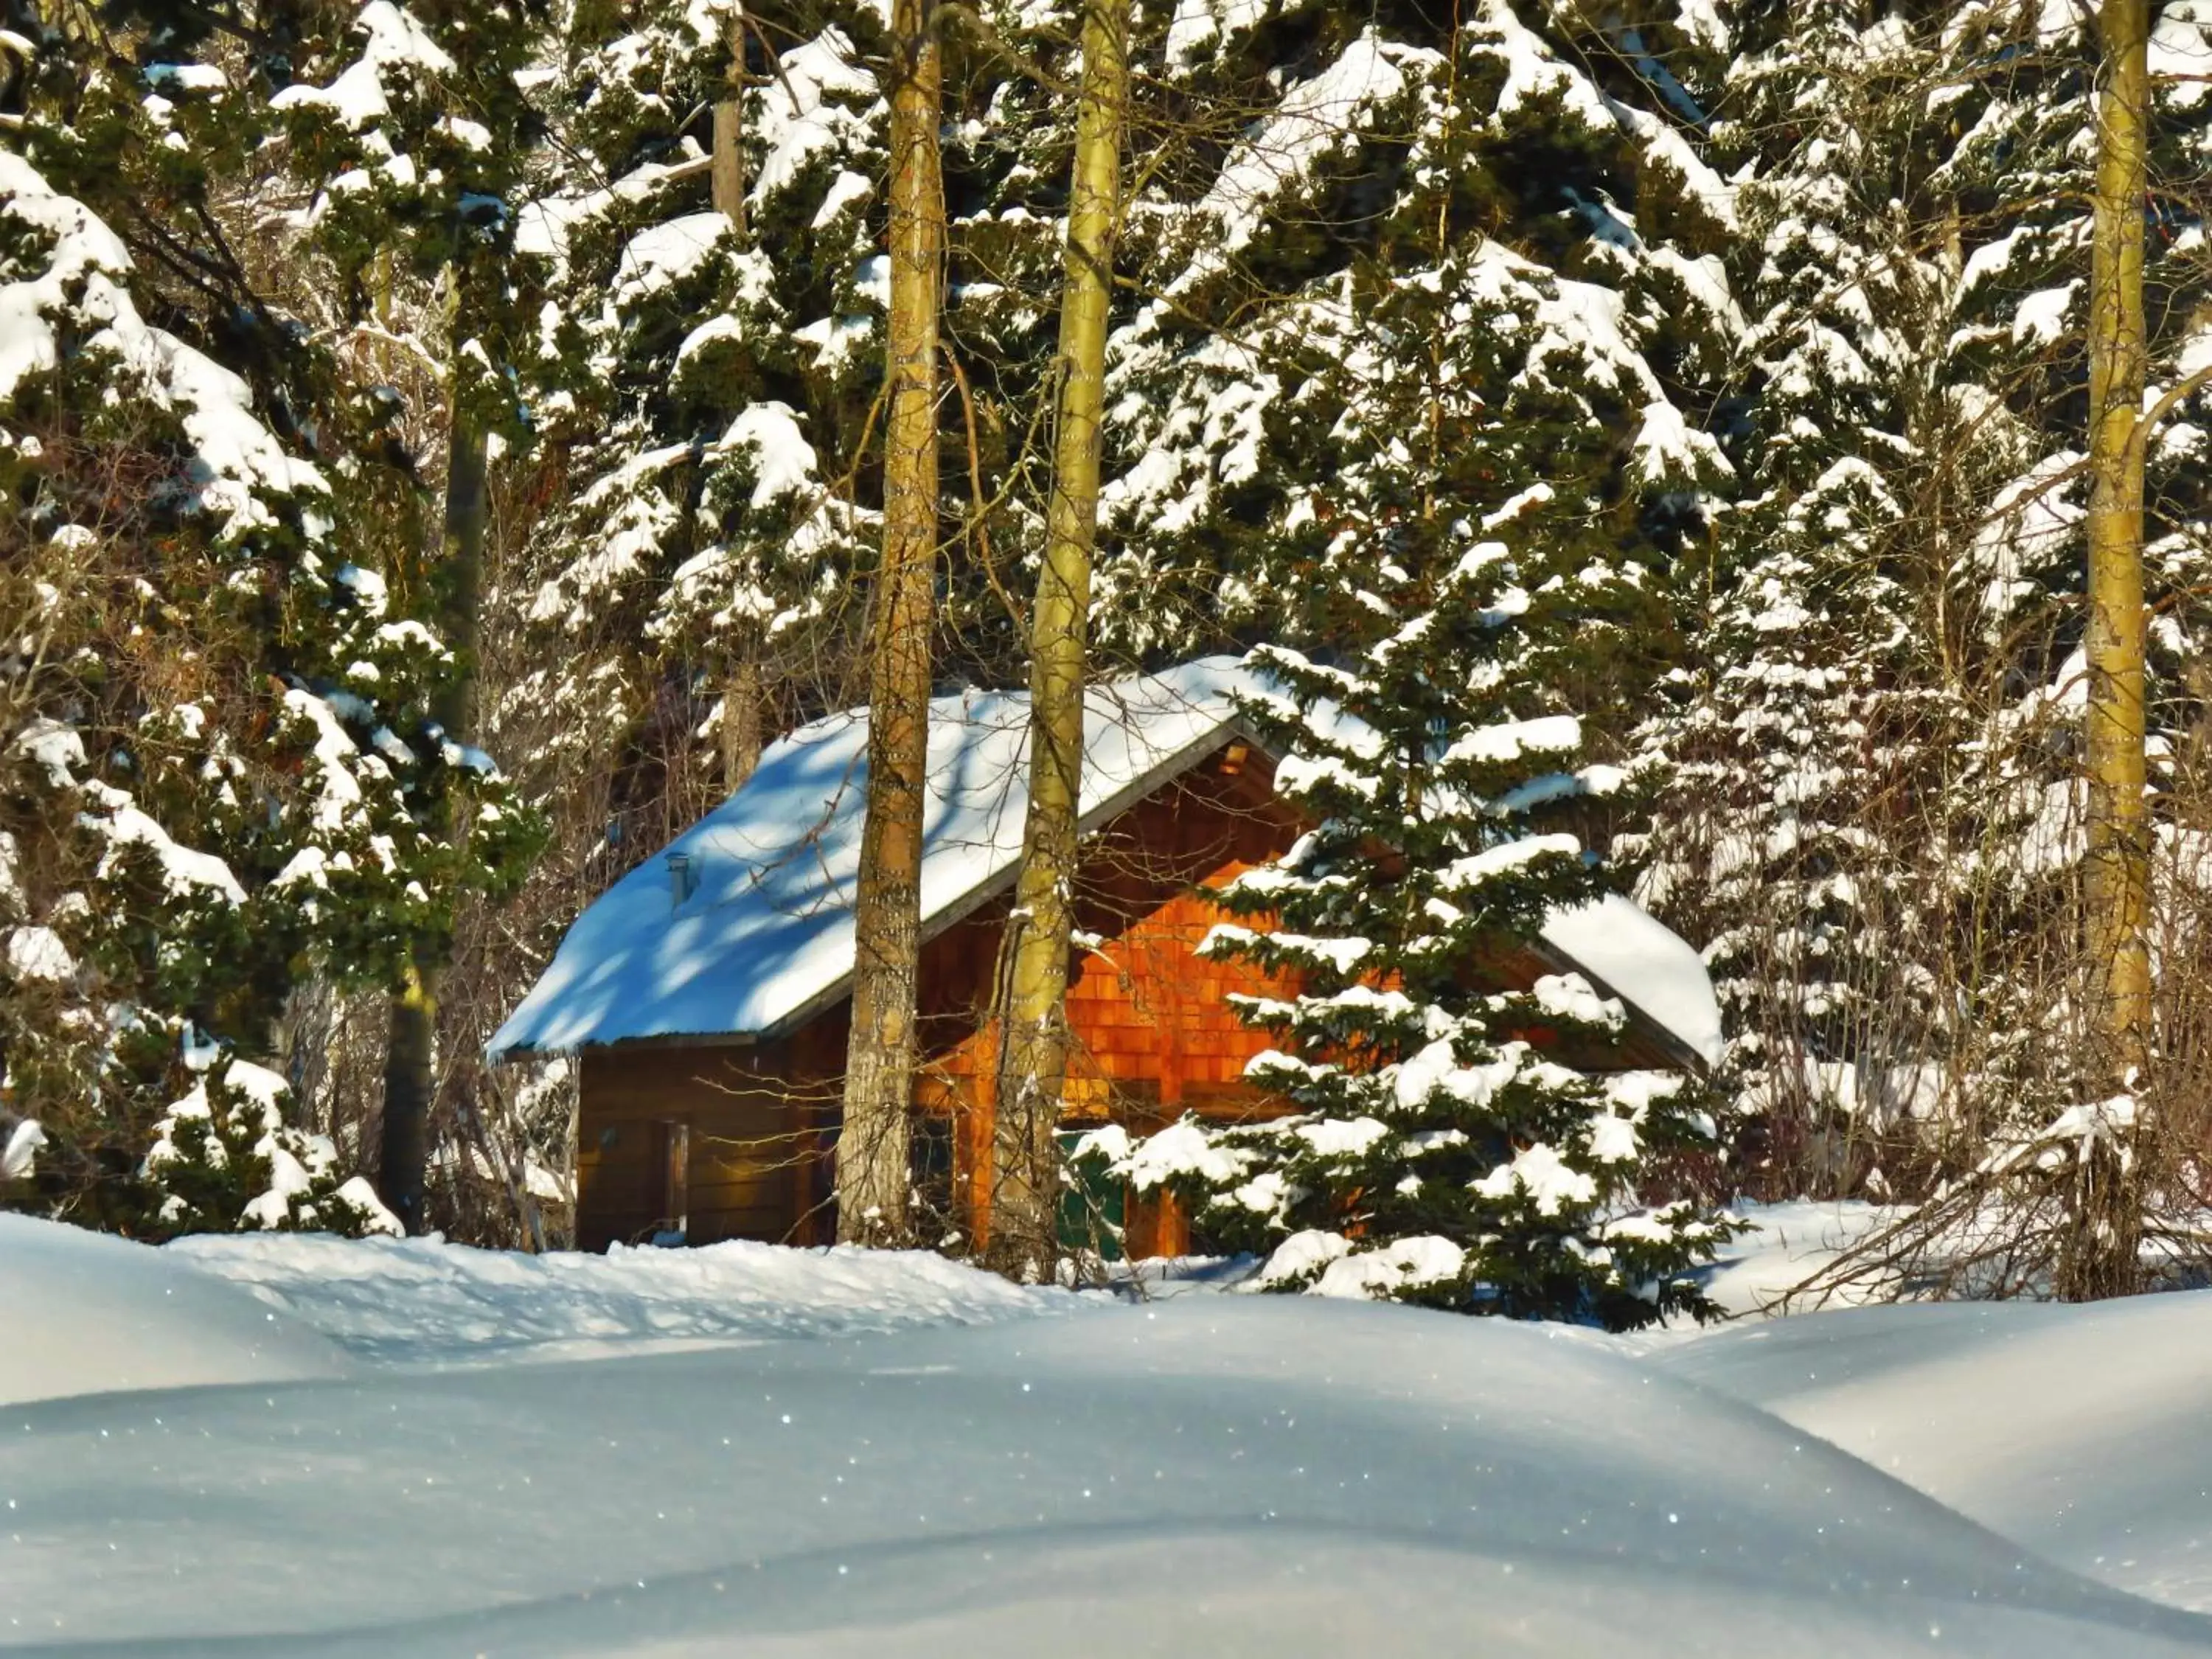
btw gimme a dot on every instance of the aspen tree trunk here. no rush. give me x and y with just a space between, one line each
872 1146
727 162
2099 1255
1023 1225
741 693
410 1049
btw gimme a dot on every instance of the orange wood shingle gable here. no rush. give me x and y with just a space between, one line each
1154 1034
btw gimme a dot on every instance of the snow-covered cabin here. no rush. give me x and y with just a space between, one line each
707 995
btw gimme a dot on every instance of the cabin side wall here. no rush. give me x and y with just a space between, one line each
1154 1035
755 1125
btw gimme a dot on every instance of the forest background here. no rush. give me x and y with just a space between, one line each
445 442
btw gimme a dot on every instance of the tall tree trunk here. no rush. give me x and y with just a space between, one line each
409 1055
2100 1255
726 163
1023 1226
872 1145
740 732
409 1081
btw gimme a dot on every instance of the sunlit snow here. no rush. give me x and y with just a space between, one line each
341 1452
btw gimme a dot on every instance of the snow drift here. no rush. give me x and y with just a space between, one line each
2082 1432
1211 1475
427 1302
82 1313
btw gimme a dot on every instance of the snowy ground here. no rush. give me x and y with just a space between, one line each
2085 1433
1788 1244
430 1304
336 1453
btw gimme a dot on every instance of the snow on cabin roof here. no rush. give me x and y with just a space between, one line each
763 938
1639 959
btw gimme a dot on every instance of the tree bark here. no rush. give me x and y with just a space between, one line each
740 725
1023 1225
727 162
410 1082
740 732
873 1146
2104 1228
409 1058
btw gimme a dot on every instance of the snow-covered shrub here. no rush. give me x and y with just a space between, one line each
224 1160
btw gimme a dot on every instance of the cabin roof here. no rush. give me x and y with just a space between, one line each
764 940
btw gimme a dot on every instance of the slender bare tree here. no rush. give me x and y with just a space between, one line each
410 1077
2099 1257
727 162
872 1152
740 727
1033 1051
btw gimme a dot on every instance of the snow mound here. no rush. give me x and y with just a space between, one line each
1787 1243
423 1301
82 1313
2082 1432
1210 1475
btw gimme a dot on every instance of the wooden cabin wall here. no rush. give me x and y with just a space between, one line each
755 1135
1154 1037
1151 1018
1154 1034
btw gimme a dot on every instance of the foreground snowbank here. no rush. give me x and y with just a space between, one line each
2085 1433
943 1469
422 1301
1221 1475
82 1313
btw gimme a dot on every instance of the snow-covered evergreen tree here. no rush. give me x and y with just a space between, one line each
216 729
412 130
1394 144
709 378
1869 828
1436 1154
1467 582
1797 710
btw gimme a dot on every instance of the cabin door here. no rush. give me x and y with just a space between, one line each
671 1177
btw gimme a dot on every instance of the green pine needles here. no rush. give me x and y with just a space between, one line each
1438 1154
1442 1151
